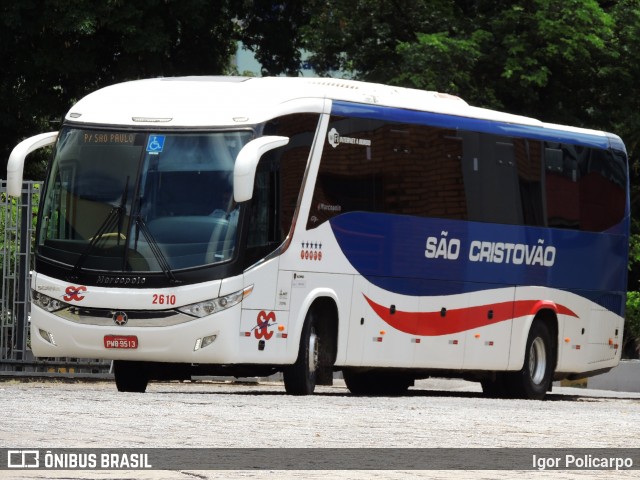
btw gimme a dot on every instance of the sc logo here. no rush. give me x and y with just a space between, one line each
74 293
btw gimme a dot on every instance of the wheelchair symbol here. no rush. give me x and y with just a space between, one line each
155 144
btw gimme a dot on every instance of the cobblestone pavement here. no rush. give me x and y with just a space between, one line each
436 413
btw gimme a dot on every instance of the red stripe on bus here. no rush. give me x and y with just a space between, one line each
461 319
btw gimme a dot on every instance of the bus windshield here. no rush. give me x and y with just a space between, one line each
141 202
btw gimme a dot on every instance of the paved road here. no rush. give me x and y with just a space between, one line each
436 413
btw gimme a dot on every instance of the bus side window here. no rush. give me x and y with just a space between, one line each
378 166
602 190
585 187
562 189
491 179
349 173
529 161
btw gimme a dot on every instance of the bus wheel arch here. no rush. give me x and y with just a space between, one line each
535 377
317 349
539 361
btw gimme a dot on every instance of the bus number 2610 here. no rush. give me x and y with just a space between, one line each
159 299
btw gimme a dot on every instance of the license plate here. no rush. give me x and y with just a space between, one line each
120 341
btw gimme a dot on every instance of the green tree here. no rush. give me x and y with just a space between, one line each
360 37
620 96
543 58
540 58
53 52
272 30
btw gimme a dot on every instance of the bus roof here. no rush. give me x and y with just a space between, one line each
177 102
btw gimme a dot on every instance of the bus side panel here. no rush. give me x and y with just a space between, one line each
604 331
487 346
446 350
384 343
605 337
444 331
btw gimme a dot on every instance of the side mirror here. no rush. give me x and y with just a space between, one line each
15 165
244 171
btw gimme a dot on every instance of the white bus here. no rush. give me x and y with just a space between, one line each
245 226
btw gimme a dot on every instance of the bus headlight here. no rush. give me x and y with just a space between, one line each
208 307
46 302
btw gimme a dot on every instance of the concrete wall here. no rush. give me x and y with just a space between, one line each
624 378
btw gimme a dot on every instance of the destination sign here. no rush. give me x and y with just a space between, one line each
109 138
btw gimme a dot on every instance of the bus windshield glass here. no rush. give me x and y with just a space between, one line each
142 202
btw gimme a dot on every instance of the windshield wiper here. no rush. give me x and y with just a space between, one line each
113 220
155 248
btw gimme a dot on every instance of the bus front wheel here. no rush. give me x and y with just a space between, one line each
300 378
130 376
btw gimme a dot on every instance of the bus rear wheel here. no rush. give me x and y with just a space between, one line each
496 387
534 379
130 376
376 383
300 378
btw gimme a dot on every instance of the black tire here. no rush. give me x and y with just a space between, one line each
130 376
300 378
496 387
376 383
358 383
533 381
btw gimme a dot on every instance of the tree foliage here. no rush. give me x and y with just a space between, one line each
272 30
361 36
541 58
54 52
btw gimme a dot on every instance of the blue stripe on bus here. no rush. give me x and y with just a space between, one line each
455 122
390 251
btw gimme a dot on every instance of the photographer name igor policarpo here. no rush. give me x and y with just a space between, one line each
582 462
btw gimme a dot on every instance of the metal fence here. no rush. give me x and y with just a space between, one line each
17 232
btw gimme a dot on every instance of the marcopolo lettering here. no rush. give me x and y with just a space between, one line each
107 280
